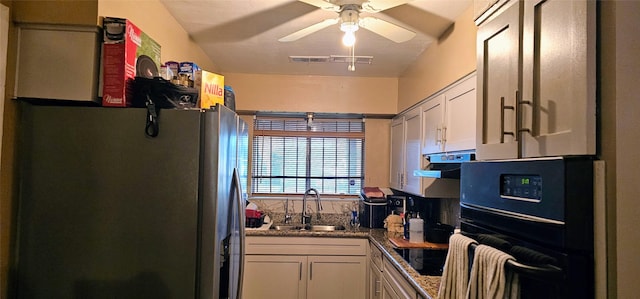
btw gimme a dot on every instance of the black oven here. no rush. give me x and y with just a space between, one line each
541 212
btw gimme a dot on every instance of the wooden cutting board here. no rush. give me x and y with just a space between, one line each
400 242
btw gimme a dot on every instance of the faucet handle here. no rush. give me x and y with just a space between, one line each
287 218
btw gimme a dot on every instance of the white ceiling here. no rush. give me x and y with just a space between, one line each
241 36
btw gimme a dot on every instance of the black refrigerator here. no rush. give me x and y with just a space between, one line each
106 211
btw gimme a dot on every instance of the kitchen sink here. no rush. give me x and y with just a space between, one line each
287 227
325 228
317 228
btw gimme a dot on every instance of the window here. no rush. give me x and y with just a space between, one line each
291 155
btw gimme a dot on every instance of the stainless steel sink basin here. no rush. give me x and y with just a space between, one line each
317 228
325 228
287 227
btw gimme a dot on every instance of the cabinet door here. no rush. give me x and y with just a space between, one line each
433 120
274 276
460 120
375 281
396 281
336 277
559 102
498 48
397 153
387 290
412 154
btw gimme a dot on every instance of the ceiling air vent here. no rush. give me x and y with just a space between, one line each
308 59
347 59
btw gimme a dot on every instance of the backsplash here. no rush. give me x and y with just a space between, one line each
334 211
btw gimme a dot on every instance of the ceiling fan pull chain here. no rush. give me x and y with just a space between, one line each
352 65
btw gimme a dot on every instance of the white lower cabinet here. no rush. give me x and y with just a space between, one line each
375 272
375 282
336 277
291 267
394 285
274 276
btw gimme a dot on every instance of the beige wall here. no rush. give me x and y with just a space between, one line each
327 94
620 140
314 93
153 18
445 61
376 152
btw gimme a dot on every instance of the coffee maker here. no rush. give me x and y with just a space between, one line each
396 204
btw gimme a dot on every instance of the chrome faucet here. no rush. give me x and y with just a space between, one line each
306 219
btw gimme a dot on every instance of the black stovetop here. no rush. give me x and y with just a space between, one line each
424 261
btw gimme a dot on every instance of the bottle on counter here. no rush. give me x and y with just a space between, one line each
406 223
416 232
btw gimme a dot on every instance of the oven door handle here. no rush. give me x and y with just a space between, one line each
545 272
511 214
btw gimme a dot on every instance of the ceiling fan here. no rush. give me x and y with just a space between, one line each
350 20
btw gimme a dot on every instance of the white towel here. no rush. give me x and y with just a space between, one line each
455 276
489 277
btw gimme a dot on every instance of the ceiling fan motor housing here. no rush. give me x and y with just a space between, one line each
349 18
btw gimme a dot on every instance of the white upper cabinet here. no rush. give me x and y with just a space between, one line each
413 158
449 119
460 116
498 84
397 153
406 133
536 80
433 115
558 78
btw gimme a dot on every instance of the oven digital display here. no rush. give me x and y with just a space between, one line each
521 187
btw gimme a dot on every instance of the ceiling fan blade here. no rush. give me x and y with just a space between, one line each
373 6
386 29
322 4
306 31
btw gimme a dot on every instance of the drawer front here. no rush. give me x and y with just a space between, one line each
306 246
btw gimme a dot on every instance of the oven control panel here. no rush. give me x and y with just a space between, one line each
521 187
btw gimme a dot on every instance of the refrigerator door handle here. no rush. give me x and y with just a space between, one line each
241 216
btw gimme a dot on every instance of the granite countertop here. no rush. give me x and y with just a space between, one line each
426 286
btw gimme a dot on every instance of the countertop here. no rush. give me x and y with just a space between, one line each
426 286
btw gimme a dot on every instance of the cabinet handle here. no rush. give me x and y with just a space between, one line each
438 135
377 287
444 138
502 132
300 271
311 271
521 121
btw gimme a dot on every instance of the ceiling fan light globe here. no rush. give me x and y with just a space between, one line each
349 26
349 39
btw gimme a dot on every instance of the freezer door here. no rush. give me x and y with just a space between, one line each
231 273
104 211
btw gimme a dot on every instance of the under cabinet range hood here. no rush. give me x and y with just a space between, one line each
444 165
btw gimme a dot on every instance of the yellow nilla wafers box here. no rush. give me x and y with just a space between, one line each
210 87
